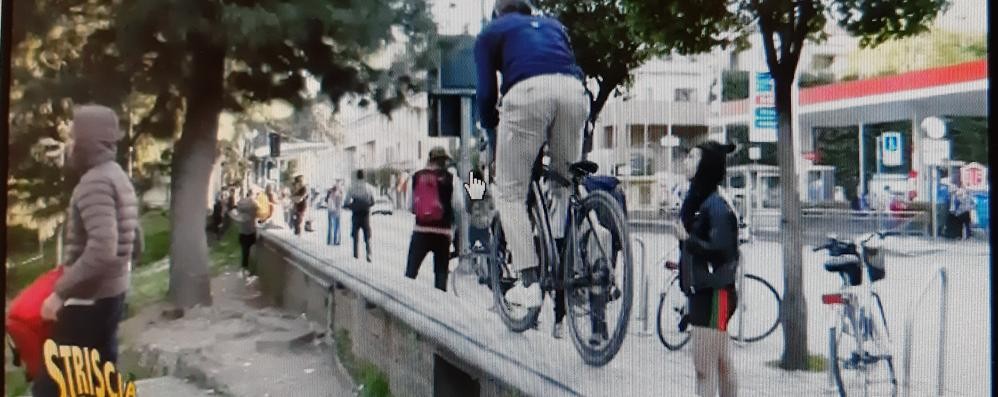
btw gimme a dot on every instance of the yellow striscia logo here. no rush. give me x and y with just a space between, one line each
81 374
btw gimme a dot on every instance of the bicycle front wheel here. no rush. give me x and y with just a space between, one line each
672 306
598 279
758 311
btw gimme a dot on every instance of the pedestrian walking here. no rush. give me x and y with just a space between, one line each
334 201
708 235
299 204
961 204
245 215
101 244
266 204
359 200
217 213
432 203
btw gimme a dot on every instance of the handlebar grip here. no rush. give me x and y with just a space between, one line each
816 249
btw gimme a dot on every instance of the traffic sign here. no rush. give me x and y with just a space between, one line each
890 149
455 79
935 151
762 94
974 176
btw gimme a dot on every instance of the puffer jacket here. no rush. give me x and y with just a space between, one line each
102 232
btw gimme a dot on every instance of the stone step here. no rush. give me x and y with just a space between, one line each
168 386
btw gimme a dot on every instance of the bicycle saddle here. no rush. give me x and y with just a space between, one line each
583 168
847 265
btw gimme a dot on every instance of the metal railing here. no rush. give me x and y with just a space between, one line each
909 329
642 315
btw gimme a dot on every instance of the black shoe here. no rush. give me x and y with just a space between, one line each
684 323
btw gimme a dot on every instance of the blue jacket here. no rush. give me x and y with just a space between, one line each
520 47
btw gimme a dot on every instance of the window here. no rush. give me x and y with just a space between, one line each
650 92
656 133
608 137
419 150
637 135
644 195
685 94
822 62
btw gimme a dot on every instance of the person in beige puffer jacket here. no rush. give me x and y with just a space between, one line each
102 240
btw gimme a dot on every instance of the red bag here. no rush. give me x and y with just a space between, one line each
25 327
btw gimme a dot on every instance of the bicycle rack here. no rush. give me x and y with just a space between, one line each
642 315
909 327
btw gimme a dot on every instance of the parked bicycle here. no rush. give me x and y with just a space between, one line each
859 344
755 318
594 268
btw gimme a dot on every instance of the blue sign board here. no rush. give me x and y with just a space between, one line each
983 200
762 102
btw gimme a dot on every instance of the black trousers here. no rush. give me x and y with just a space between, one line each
246 242
422 244
93 326
297 219
361 222
963 220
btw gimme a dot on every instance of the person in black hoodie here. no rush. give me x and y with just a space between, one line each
708 234
431 202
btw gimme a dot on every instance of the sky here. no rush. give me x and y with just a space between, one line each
453 15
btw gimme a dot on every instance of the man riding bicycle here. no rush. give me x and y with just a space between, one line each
543 101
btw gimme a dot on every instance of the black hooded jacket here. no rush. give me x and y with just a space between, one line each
710 255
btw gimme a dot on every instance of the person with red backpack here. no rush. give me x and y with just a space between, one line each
431 202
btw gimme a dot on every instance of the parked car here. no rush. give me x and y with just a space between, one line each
382 206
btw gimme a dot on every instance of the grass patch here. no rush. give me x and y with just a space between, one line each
15 384
815 363
373 382
157 246
156 227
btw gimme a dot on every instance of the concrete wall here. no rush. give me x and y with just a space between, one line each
415 364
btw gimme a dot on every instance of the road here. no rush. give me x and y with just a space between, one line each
966 262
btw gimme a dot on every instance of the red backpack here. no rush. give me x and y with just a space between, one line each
26 330
426 198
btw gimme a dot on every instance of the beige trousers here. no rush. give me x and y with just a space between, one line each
551 109
712 360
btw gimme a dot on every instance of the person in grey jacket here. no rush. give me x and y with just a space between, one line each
708 232
102 239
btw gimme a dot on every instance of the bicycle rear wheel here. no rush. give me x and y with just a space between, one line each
758 311
501 276
598 279
672 306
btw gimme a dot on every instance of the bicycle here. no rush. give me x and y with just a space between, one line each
753 292
594 268
857 342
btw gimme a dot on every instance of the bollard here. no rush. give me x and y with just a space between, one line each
642 315
909 330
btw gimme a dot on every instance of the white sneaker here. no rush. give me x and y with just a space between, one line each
558 330
528 297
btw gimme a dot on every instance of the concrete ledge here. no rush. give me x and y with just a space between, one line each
405 330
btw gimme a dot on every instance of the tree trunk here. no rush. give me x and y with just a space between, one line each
190 276
793 311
